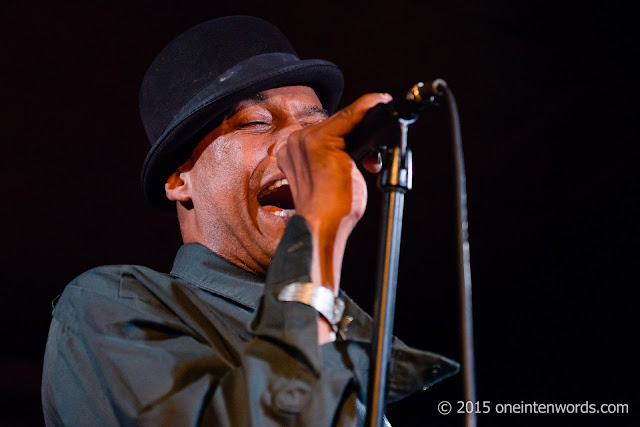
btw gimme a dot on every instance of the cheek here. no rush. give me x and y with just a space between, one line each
224 167
225 151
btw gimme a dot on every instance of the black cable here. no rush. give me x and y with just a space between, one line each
464 264
379 129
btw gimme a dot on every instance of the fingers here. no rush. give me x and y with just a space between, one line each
343 122
316 153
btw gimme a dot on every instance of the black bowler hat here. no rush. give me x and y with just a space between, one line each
204 72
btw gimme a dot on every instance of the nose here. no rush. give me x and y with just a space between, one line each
282 136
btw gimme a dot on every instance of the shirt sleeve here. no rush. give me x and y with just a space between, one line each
120 361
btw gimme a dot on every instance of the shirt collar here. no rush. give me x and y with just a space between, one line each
201 267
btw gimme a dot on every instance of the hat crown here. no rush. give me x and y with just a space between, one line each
196 58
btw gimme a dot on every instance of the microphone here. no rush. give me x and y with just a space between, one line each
379 128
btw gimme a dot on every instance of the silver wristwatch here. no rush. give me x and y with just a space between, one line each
318 297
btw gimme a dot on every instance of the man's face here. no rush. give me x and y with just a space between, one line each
240 202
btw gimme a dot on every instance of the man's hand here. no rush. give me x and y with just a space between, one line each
328 189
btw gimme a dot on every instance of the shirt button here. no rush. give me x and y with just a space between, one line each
291 396
435 370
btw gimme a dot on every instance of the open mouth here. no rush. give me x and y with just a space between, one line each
277 199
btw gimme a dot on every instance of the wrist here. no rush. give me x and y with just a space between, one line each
329 240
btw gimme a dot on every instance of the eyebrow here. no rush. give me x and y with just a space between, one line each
312 109
252 100
308 110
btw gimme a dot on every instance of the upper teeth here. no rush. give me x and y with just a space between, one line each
285 212
277 184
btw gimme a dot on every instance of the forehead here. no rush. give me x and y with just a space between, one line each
299 98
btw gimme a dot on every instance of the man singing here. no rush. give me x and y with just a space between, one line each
250 326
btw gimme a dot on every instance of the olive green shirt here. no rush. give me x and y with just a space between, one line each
210 344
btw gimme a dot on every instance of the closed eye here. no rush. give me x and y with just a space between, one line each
249 124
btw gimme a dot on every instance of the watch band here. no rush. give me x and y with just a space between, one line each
318 297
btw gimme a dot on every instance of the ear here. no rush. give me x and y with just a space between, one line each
177 188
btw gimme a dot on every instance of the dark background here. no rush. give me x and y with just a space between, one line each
550 137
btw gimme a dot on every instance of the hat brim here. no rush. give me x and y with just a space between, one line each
204 111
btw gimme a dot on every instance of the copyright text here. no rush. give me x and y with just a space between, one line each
486 407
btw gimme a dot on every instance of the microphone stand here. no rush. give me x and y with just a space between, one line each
394 181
